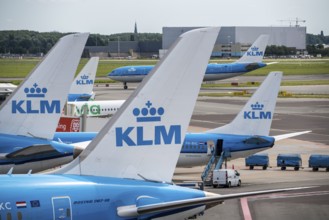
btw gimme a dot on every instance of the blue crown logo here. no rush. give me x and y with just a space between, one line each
148 114
257 106
84 76
35 91
254 48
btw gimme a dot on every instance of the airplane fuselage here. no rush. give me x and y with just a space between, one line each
196 150
78 97
95 108
198 147
214 71
84 197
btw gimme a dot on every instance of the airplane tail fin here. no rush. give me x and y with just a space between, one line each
84 81
256 116
256 51
143 139
35 107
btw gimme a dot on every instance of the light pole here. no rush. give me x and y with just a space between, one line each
119 47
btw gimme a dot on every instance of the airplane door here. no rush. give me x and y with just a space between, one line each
219 147
62 208
210 147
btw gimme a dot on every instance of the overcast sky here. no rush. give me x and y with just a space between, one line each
109 16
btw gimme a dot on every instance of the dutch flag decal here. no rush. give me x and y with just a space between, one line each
21 204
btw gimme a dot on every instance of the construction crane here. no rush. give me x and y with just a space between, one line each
296 20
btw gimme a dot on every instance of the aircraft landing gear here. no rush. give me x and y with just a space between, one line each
125 85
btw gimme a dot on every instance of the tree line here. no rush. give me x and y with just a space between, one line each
33 42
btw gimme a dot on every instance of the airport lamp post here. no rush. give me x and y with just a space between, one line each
119 47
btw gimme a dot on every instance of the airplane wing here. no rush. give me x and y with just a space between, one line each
210 200
285 136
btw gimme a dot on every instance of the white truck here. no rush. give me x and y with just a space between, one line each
226 177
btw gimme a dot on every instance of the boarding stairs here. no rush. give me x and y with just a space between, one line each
214 163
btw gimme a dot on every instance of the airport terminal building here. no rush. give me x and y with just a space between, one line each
232 41
235 40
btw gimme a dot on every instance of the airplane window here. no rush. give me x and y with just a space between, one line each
8 216
19 216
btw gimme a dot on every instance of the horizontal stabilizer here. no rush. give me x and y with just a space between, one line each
41 149
285 136
31 151
133 211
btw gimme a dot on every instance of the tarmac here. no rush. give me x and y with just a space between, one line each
291 115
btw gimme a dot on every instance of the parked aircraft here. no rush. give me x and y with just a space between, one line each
29 117
94 108
113 179
7 88
247 134
250 61
82 86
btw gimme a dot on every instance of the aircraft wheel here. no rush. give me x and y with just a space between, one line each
229 185
239 184
251 167
264 167
125 87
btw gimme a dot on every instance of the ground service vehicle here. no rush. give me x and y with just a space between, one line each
289 160
226 177
317 161
257 160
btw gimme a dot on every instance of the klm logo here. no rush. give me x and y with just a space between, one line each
134 136
84 80
254 52
257 112
33 105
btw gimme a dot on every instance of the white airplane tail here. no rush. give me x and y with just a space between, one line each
256 52
36 105
84 81
143 139
256 116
